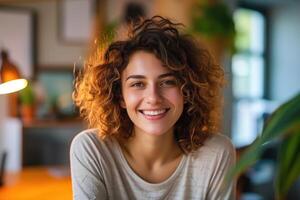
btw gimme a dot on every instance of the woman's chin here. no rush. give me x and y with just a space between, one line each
155 131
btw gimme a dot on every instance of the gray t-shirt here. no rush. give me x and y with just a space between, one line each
100 171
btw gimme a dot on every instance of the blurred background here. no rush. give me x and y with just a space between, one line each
257 42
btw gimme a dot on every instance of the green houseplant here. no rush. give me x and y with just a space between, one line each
212 22
283 125
27 103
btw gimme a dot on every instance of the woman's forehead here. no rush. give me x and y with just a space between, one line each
145 63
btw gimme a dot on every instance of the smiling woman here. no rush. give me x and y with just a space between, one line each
153 104
150 95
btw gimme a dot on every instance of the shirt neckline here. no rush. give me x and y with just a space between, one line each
144 183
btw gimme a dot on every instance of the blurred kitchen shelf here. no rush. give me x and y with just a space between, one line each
55 123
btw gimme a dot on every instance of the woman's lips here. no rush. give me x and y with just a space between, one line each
154 114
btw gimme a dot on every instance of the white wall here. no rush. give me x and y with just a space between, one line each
2 116
10 137
51 50
285 51
15 37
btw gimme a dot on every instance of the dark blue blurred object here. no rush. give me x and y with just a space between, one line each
2 166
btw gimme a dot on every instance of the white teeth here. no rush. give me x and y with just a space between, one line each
154 112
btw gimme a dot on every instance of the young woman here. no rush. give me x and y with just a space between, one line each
153 103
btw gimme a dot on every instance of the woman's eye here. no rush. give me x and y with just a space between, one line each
168 83
137 85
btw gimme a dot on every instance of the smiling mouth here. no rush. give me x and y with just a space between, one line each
155 113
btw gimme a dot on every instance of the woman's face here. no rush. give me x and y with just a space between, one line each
151 95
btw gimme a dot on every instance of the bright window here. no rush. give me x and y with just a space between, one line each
248 67
248 62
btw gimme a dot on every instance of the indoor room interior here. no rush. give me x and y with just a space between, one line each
47 42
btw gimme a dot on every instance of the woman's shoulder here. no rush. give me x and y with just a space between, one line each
216 144
88 136
219 142
89 141
217 152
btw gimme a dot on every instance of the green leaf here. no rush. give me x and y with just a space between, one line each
27 96
294 173
247 159
282 123
281 119
288 164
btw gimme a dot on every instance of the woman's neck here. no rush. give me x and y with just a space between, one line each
152 150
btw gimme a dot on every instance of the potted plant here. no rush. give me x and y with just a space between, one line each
27 103
213 23
282 125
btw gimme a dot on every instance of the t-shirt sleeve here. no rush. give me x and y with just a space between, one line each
225 160
86 174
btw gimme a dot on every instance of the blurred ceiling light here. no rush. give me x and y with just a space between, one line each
10 79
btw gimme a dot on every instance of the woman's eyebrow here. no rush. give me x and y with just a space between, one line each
135 77
143 77
166 75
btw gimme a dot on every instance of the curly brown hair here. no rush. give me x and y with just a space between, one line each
98 87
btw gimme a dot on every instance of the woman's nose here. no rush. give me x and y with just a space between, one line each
153 95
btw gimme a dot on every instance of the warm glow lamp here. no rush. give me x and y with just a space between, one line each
10 80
